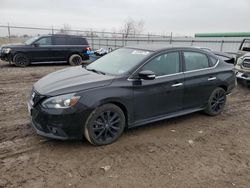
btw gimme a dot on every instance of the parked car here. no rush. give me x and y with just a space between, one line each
48 48
129 87
244 48
243 69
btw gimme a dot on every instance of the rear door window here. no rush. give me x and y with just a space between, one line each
59 40
195 61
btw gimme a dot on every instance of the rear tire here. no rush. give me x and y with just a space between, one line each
216 102
21 60
75 60
104 125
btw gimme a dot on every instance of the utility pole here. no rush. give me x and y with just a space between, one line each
171 36
9 31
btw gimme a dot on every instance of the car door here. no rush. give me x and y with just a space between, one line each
163 95
60 48
41 50
200 78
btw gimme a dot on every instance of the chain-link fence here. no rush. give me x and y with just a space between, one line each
99 39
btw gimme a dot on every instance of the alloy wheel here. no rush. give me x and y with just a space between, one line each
76 60
107 126
218 101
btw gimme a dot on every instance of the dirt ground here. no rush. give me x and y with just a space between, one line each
191 151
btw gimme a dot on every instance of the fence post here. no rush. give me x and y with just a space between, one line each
92 40
221 45
115 42
171 36
107 43
192 41
122 39
9 32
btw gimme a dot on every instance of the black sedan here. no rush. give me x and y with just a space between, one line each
128 87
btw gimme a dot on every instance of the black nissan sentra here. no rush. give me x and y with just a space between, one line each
128 87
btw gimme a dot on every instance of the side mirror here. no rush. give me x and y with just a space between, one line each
147 75
36 44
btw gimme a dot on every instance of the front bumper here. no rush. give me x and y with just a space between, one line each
5 57
243 76
62 124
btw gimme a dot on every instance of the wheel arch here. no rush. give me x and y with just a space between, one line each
223 86
121 105
19 52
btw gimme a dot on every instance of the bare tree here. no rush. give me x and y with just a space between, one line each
103 33
132 27
139 27
114 33
65 30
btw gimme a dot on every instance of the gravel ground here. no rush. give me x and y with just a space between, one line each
190 151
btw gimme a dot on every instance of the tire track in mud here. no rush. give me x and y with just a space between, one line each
18 139
15 132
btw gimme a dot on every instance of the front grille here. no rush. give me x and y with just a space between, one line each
246 64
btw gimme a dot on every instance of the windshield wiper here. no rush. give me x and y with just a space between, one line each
96 71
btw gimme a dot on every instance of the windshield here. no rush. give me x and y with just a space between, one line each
246 44
119 62
31 40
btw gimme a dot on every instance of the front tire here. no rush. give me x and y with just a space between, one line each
104 125
75 59
216 102
21 60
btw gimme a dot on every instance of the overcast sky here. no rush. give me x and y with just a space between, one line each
160 16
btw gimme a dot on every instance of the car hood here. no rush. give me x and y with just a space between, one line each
247 55
70 80
16 45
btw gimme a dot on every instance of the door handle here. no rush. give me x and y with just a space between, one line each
211 78
177 85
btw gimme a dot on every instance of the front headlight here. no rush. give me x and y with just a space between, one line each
6 50
239 61
62 101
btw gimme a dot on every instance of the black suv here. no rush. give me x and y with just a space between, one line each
49 48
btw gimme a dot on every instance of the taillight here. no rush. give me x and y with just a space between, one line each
88 49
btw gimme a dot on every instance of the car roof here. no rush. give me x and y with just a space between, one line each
160 47
62 35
